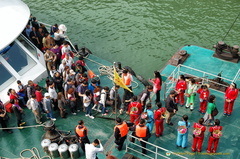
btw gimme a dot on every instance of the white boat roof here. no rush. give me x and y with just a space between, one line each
14 15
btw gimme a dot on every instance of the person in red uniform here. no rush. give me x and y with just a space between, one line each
203 95
212 138
135 110
120 132
81 133
142 132
198 135
180 88
230 96
159 120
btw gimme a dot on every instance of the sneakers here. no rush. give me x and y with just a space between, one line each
22 123
53 119
48 118
99 110
92 117
94 109
121 111
78 110
74 113
104 114
86 114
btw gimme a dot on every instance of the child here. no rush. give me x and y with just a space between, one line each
180 88
87 100
191 93
18 112
61 103
96 98
198 135
203 95
182 136
214 137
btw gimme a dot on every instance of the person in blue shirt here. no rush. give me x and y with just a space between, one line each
150 117
92 85
182 137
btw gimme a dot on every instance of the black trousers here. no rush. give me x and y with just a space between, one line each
158 96
143 144
120 142
83 142
3 123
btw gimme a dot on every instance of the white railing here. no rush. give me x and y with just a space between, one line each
154 152
197 74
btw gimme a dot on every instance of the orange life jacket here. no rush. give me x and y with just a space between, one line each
80 131
127 80
123 128
141 131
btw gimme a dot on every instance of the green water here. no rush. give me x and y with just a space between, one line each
141 34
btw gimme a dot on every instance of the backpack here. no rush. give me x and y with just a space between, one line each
182 129
197 131
215 111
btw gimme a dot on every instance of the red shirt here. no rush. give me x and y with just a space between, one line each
158 113
39 96
204 94
231 93
199 126
137 105
15 97
81 62
181 85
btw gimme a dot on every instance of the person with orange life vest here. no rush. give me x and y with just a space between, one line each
135 110
203 95
120 132
198 135
142 132
230 96
180 88
158 116
214 137
81 133
127 95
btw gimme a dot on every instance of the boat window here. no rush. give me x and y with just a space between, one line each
19 59
6 77
30 47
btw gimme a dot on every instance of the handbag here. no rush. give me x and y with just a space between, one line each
215 111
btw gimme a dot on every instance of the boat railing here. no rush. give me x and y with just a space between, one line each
205 78
154 152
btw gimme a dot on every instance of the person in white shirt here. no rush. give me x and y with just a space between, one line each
69 60
92 150
62 67
87 103
53 94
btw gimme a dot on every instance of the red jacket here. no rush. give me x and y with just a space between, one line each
39 96
158 113
137 105
181 85
203 94
199 126
231 93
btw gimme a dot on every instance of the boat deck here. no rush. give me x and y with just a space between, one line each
229 144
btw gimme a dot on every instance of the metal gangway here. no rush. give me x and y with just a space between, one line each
203 76
155 152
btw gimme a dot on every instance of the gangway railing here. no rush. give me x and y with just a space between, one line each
155 152
197 74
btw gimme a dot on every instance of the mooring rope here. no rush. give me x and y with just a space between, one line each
231 27
22 127
35 154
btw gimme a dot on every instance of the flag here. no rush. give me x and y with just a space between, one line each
117 80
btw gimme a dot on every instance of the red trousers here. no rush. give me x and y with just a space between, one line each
159 127
228 107
197 142
203 106
134 118
180 98
211 141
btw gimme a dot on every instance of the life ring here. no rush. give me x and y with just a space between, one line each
84 52
142 80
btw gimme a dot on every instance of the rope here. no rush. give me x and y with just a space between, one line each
35 154
231 27
21 127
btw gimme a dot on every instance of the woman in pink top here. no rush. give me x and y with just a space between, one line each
157 85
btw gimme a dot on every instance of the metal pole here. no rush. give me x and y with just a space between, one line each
114 65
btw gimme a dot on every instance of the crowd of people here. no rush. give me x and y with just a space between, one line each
69 88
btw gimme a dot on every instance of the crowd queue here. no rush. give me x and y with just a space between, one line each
69 87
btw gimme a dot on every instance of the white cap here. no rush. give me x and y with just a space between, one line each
46 94
72 72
